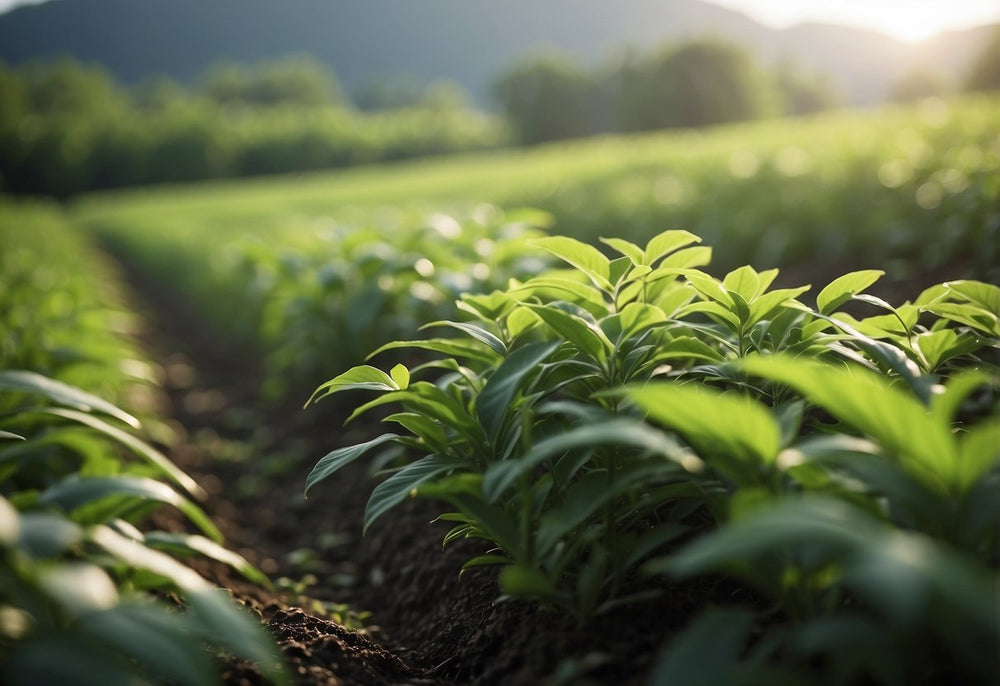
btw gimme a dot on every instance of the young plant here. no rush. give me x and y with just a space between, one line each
74 567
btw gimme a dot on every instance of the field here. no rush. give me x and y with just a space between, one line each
711 406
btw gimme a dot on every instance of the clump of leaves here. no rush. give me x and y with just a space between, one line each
74 566
587 421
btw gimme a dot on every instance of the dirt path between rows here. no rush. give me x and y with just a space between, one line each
426 625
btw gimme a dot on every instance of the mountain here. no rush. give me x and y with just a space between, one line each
469 41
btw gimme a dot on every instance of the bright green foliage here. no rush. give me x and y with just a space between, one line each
585 421
76 480
334 291
911 190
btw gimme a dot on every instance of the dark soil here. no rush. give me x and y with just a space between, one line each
426 624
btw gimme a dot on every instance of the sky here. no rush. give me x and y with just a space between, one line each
904 19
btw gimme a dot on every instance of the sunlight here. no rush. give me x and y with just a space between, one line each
915 24
907 20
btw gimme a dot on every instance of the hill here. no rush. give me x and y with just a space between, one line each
468 41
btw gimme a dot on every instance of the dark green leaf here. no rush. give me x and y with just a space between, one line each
30 382
494 401
404 483
73 494
139 447
341 457
707 652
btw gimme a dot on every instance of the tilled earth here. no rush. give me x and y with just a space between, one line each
386 608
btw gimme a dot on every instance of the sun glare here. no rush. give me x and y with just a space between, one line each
910 26
908 20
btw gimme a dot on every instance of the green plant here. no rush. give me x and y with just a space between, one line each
637 413
75 568
85 595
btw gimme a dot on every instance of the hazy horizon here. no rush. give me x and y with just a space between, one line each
906 20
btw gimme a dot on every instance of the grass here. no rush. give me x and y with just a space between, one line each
777 178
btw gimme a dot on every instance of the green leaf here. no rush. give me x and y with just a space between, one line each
518 580
589 493
978 452
709 287
30 382
187 544
970 314
717 311
744 281
584 257
985 294
843 288
829 524
471 350
637 317
688 347
687 258
140 556
489 307
616 432
224 623
617 269
464 491
486 561
707 652
11 436
630 250
475 331
887 356
139 447
341 457
587 337
75 493
937 347
946 404
401 375
31 662
732 431
45 535
403 483
582 294
763 306
161 643
363 378
494 401
871 405
421 426
667 242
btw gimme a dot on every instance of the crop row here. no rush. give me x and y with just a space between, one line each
77 479
290 263
625 422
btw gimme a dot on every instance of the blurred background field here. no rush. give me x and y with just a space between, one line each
312 195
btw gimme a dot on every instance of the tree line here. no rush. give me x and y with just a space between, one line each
67 127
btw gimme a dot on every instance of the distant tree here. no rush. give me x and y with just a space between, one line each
300 81
443 95
802 92
13 95
701 82
67 87
388 92
159 94
544 98
919 83
985 72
